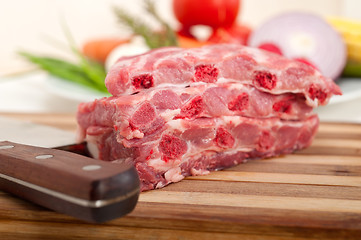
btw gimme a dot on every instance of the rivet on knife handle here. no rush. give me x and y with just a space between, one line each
69 183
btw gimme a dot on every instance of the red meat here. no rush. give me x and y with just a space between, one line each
220 63
179 112
192 147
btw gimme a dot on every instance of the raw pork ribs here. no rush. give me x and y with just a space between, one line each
177 112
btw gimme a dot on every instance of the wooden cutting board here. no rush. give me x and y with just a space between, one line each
312 194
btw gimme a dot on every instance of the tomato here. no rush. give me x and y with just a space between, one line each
213 13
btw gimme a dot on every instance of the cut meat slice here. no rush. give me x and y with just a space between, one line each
142 113
184 147
265 71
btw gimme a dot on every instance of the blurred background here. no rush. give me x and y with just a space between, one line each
37 26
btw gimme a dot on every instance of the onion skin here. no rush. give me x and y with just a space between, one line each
304 36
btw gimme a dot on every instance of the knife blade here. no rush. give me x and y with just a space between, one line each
66 182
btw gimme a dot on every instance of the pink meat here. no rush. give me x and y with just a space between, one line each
183 147
179 112
265 71
138 114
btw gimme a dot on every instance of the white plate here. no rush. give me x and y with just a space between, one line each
351 89
73 91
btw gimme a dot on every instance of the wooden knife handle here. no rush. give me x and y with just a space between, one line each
83 187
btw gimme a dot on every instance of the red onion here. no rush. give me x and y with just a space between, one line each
304 36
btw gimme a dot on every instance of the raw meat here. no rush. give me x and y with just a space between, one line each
134 115
265 71
181 147
177 112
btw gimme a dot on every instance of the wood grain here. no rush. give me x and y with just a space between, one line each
311 194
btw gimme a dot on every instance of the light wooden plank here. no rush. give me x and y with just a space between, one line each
317 159
253 201
265 166
266 189
339 128
282 178
337 143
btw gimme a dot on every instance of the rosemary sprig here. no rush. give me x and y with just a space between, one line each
154 39
170 36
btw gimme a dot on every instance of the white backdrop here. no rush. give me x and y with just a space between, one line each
28 24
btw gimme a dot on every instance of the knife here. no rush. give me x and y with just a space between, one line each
64 181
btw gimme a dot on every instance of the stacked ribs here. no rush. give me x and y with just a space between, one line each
177 112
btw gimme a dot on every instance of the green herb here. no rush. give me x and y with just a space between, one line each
154 39
89 74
